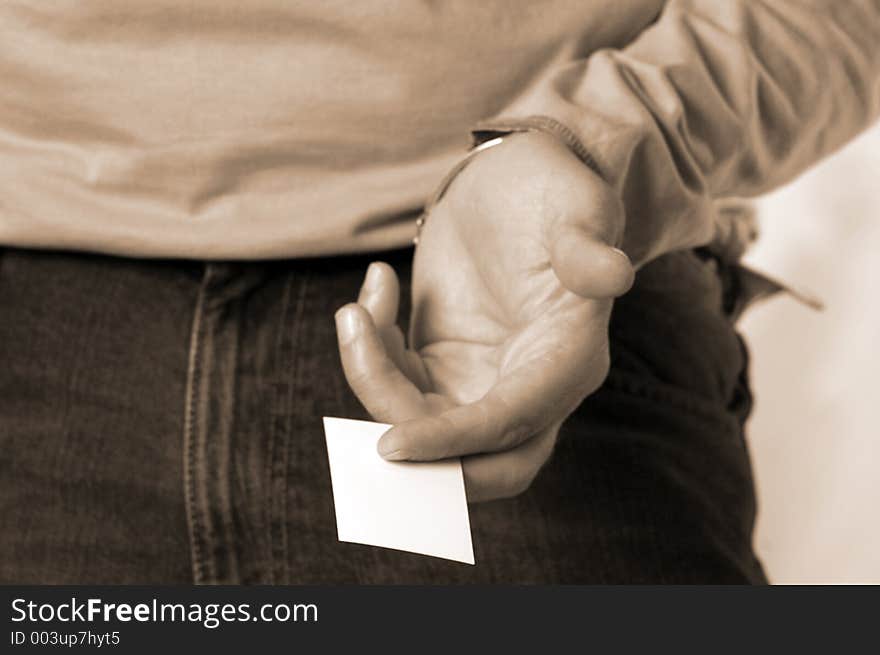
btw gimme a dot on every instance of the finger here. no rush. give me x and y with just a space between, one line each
380 296
386 393
507 474
519 405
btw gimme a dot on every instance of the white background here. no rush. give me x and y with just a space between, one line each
815 430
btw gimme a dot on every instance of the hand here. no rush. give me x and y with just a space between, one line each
512 285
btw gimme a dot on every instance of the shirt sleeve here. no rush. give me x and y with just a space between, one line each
715 99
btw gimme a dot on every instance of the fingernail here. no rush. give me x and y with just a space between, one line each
627 281
621 253
347 324
394 456
389 449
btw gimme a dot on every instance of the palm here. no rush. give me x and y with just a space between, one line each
487 303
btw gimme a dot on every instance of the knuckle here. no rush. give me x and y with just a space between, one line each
515 435
516 481
368 373
520 478
358 378
500 423
521 484
384 368
378 408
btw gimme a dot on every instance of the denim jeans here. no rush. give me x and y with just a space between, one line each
160 422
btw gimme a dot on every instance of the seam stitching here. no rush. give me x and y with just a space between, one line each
276 504
193 388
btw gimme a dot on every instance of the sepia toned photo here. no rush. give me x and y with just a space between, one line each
404 292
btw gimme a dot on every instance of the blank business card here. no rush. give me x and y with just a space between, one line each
419 507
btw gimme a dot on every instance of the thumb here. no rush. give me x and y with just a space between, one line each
582 256
588 266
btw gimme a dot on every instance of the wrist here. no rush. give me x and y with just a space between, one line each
489 129
544 134
516 143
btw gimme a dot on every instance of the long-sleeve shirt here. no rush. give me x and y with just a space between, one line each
220 129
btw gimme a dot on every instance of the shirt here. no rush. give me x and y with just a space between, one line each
216 129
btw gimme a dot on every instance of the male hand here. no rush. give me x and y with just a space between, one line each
512 286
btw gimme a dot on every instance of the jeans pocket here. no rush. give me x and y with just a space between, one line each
741 287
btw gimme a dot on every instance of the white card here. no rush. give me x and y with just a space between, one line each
419 507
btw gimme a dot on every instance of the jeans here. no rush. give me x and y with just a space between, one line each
160 422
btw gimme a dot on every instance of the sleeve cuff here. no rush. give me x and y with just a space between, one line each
489 129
